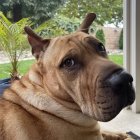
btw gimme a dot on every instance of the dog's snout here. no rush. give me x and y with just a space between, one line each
121 84
120 80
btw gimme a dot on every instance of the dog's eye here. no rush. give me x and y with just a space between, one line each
69 62
101 48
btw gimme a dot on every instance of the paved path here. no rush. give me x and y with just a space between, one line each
26 55
126 121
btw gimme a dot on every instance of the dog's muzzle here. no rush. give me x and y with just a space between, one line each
121 83
113 93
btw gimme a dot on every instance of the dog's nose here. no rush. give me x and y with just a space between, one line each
120 80
121 84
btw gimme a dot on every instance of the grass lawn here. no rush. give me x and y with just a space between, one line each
23 68
117 59
25 65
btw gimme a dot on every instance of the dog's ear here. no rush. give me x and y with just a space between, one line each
37 43
84 27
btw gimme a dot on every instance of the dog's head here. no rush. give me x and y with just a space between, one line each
75 68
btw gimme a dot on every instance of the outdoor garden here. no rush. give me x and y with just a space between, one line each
50 19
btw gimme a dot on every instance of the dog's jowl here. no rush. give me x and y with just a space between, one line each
67 91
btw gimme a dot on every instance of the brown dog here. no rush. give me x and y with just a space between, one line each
70 87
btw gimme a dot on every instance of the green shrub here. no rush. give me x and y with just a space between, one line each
121 40
13 41
58 25
100 35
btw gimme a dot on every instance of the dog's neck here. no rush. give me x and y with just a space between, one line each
34 94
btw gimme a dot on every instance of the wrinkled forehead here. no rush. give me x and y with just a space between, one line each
75 40
76 43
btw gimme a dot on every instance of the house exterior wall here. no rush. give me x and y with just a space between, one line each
112 36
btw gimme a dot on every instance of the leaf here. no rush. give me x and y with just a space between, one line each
12 40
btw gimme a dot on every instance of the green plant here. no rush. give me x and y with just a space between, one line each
50 28
13 41
78 8
100 35
58 25
38 10
121 40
